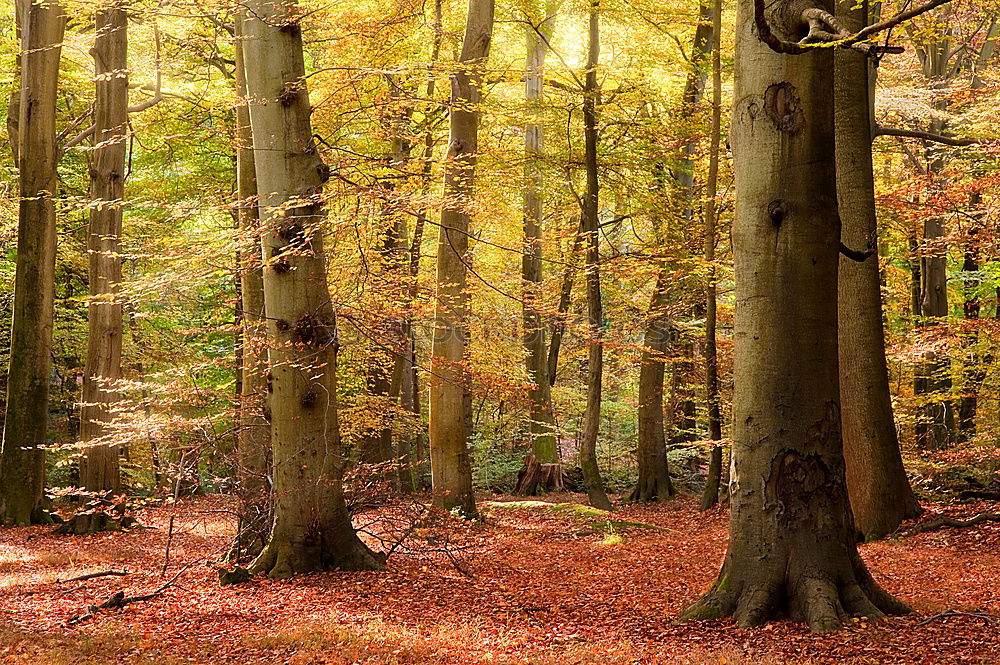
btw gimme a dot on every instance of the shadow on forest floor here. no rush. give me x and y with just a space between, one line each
546 587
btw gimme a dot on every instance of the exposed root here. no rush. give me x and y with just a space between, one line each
282 558
942 522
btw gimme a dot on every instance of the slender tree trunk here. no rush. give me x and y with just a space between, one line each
312 528
973 367
791 533
99 469
22 464
562 308
543 437
710 496
451 467
254 439
879 490
590 227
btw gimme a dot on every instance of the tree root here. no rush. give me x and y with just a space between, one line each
822 602
282 559
942 522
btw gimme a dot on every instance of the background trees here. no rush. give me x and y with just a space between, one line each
410 246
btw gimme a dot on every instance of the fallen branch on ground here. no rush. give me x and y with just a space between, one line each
987 618
90 576
119 599
954 522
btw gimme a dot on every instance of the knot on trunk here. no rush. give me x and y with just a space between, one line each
782 105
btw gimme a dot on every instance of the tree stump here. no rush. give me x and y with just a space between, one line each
535 477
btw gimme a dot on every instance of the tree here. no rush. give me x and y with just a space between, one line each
792 537
711 494
312 527
543 438
254 439
99 468
590 228
450 399
22 463
654 475
876 480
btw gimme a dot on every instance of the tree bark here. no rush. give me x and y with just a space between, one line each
451 468
99 467
591 231
254 438
22 464
543 436
312 528
876 480
791 533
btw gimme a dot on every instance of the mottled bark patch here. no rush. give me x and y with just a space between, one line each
782 105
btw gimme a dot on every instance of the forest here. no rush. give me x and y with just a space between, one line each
474 332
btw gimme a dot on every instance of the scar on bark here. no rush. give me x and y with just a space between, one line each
782 105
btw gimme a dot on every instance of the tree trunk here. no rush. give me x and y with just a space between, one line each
713 480
876 481
543 437
973 368
791 534
254 439
22 464
312 528
591 231
562 308
451 468
654 477
99 469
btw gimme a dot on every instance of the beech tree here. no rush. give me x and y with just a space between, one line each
543 438
99 468
312 528
22 462
254 440
879 490
450 399
792 534
589 228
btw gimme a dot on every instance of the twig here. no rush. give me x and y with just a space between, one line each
987 618
90 576
166 554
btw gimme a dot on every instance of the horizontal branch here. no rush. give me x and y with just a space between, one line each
926 136
826 32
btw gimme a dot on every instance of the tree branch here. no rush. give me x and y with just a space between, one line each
826 32
927 136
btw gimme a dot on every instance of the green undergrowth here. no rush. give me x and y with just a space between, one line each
597 521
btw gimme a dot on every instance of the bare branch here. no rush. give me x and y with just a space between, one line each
926 136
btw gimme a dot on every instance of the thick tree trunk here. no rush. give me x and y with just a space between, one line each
254 438
543 437
312 528
713 480
451 467
22 464
876 481
791 534
590 227
99 469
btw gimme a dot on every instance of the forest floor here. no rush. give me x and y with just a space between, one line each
529 585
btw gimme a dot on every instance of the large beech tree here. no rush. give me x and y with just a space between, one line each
22 463
792 541
876 480
312 528
451 468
